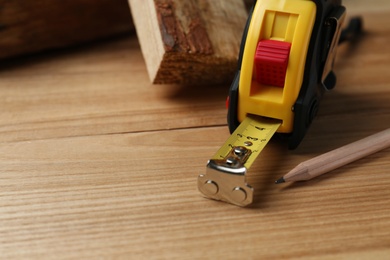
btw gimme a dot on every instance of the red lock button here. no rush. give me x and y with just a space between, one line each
271 60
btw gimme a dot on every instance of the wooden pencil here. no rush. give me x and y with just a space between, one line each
341 156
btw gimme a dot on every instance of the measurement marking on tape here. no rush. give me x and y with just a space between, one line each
225 172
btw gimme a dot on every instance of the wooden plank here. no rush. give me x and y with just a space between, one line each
41 97
190 42
135 195
31 26
96 162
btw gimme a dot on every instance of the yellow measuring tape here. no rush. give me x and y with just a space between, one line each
225 172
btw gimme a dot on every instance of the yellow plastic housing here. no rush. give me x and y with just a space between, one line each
282 20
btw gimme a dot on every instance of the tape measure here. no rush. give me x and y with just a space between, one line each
285 66
225 177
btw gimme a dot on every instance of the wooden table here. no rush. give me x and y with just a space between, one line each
97 162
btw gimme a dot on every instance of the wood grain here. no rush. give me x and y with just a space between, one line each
108 93
96 162
189 42
33 26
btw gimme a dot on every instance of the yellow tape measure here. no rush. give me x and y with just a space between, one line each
225 172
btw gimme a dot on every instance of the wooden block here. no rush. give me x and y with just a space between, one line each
190 42
28 26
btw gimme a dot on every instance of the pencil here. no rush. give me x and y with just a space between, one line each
339 157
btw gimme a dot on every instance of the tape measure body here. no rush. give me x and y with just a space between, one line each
313 29
274 93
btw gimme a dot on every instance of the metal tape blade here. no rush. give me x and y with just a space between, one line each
225 172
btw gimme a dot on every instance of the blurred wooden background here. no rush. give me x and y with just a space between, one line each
33 26
97 162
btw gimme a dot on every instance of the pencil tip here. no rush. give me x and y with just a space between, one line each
281 180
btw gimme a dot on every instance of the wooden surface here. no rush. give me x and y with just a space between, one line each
28 26
97 162
191 41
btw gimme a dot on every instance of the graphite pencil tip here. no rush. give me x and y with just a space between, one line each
281 180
